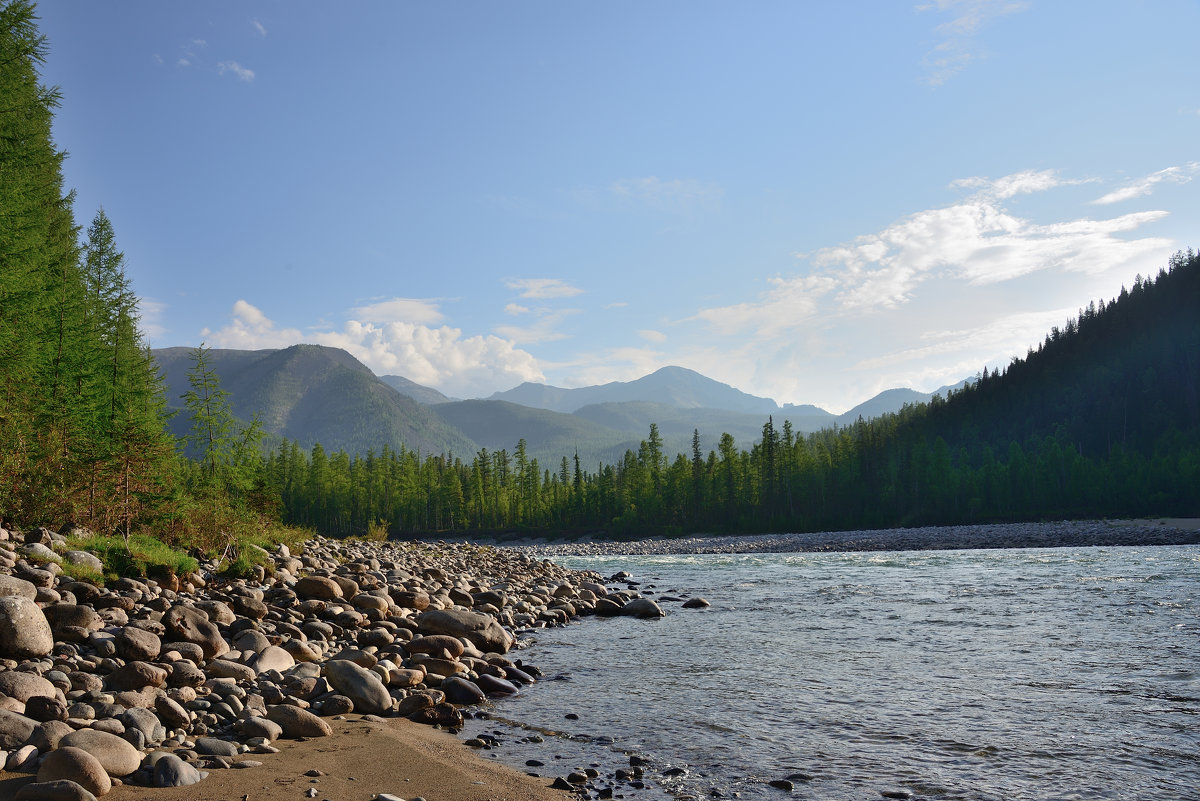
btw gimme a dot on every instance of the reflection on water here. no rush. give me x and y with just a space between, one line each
1014 674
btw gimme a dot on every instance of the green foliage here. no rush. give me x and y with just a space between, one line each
1103 420
137 556
81 408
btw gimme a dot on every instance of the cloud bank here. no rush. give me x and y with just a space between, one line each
438 357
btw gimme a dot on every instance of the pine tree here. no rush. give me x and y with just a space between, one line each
39 291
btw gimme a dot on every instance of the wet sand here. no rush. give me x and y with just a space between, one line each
361 760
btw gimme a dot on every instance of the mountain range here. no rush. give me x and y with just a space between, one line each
312 393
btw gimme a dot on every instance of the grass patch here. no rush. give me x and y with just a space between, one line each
141 557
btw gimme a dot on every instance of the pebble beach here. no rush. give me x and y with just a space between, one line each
350 670
372 652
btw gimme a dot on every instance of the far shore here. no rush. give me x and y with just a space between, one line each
1065 533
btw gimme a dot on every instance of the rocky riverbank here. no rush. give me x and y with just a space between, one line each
161 685
1068 533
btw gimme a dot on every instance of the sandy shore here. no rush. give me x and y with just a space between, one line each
361 760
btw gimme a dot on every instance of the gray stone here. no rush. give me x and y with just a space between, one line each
16 586
14 729
143 720
212 746
23 686
362 686
84 559
24 630
297 722
117 756
77 765
57 790
171 771
483 631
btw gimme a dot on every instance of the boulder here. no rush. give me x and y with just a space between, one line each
320 588
23 686
296 722
15 729
16 586
118 756
171 771
57 790
483 631
76 765
24 630
642 608
192 625
360 685
136 644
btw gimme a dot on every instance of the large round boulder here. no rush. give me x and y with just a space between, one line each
296 722
360 685
192 625
483 631
24 630
77 765
117 755
22 686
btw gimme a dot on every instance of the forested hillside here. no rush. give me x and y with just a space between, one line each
81 410
1100 420
311 393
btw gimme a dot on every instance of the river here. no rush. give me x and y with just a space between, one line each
1048 673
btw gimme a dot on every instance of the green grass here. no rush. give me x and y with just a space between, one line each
141 557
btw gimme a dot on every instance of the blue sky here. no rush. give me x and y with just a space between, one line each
809 201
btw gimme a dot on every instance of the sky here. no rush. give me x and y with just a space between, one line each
810 201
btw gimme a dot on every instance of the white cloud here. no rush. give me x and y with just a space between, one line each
542 288
675 193
958 47
939 293
650 335
237 69
516 309
1144 186
790 303
411 310
438 357
542 329
995 337
258 26
979 241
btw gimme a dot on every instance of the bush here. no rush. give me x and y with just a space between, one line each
141 556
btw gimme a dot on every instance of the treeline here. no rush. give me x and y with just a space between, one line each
82 433
83 436
1101 419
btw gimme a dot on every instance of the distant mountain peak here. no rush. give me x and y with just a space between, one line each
671 385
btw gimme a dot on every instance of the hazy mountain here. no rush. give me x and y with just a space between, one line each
890 400
418 392
310 394
672 386
548 435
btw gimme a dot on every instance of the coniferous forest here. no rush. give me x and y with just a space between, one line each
1101 419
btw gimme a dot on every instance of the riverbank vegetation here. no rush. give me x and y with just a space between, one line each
1101 419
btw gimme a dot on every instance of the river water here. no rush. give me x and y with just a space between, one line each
1068 673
